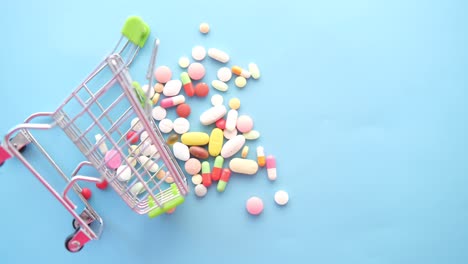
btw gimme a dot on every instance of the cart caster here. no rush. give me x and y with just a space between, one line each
73 245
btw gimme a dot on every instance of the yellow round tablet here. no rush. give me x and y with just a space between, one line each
234 103
184 62
240 82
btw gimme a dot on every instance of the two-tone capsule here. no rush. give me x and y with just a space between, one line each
217 168
225 175
187 84
206 174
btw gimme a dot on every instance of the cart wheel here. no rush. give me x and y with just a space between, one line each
75 224
72 246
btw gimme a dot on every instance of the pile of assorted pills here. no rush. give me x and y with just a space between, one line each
229 130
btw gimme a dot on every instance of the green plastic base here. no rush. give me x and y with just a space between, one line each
168 205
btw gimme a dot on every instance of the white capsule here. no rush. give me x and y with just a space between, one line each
213 114
124 173
148 163
219 85
136 189
232 146
252 135
228 134
102 147
231 119
218 55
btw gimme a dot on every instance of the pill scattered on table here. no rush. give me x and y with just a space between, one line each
244 123
181 125
166 125
198 53
202 89
163 74
192 166
243 166
158 87
204 28
219 85
234 103
240 72
271 167
181 151
254 71
240 82
261 156
218 55
184 62
147 91
245 152
173 138
124 173
200 190
224 74
254 205
172 101
229 134
172 88
252 135
137 188
183 110
196 71
136 125
217 99
112 159
158 113
281 197
197 179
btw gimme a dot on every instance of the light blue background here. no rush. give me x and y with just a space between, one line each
362 102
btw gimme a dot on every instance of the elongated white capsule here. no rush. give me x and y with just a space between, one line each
218 55
213 114
102 147
231 119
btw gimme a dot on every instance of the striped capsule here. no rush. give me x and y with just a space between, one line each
225 175
206 174
187 83
240 72
217 168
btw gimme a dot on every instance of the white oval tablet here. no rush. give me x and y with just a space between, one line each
243 166
252 135
224 74
181 151
137 188
200 190
281 197
228 134
148 163
124 173
136 124
172 88
232 146
217 99
166 125
198 53
213 114
231 119
219 85
181 125
146 88
218 55
159 113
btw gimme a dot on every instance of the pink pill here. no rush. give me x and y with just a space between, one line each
113 159
244 123
254 205
196 71
163 74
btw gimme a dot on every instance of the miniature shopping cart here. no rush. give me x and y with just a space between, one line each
97 118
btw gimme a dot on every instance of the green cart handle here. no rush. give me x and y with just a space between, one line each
136 30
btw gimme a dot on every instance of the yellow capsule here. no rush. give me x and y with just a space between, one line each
261 157
155 98
245 152
195 138
216 142
173 138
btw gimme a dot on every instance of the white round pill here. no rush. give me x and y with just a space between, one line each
137 188
172 88
217 99
198 53
124 173
224 74
184 62
144 136
136 124
281 197
197 179
228 134
145 89
200 190
166 125
181 151
159 113
181 125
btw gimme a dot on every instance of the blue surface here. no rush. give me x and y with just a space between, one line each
362 102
